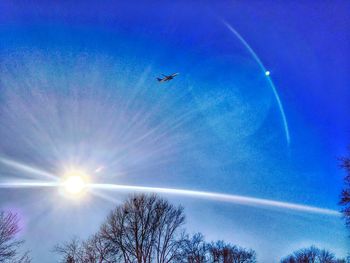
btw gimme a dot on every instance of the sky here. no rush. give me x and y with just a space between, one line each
78 90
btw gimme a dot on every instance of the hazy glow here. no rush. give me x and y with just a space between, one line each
267 73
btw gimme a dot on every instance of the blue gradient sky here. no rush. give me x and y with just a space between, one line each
77 83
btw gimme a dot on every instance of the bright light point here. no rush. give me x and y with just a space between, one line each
267 73
74 183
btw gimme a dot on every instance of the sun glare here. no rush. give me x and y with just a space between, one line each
74 183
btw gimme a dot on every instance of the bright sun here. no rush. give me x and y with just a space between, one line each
74 183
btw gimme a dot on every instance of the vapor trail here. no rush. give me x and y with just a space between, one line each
261 65
237 199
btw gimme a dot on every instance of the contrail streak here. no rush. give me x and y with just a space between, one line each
27 168
237 199
261 65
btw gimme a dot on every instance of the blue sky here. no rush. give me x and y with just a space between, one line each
78 89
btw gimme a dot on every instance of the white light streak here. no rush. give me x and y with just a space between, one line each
237 199
27 168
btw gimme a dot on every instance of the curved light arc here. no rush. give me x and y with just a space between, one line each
272 85
236 199
229 198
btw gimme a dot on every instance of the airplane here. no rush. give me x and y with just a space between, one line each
167 77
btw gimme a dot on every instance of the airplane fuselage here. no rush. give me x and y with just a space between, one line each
167 78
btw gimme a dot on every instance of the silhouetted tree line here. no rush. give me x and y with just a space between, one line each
145 229
345 194
313 255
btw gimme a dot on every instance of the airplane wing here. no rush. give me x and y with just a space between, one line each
167 77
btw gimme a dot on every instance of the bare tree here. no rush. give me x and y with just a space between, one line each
94 250
312 255
195 249
221 252
307 254
345 194
243 255
99 251
325 256
169 238
72 251
9 244
144 229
